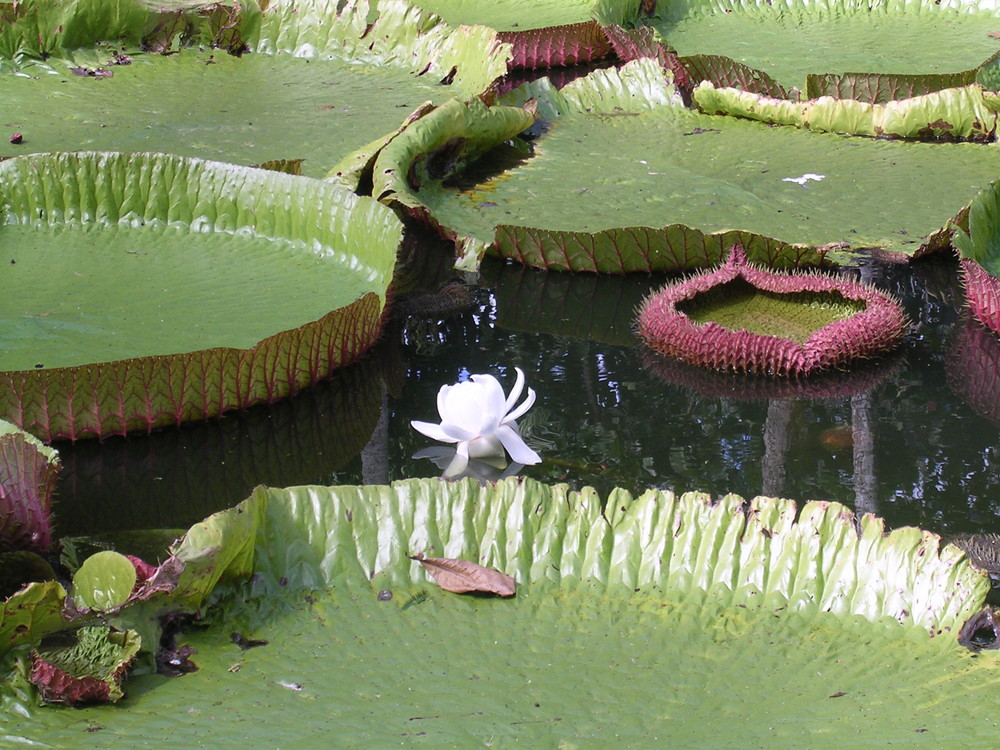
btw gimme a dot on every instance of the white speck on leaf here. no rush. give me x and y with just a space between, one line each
804 178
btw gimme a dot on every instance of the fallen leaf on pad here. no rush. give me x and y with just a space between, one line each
462 576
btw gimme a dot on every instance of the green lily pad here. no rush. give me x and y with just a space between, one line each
734 602
790 40
622 177
317 83
140 300
31 613
104 581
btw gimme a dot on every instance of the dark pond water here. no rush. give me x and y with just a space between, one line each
913 437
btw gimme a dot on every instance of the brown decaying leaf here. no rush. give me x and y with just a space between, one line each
462 576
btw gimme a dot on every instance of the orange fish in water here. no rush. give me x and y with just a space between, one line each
836 438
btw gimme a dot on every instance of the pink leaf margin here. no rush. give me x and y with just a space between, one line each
667 330
142 394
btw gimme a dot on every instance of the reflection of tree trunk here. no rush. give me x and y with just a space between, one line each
862 422
777 440
375 455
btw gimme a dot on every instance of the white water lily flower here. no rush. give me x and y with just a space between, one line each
477 416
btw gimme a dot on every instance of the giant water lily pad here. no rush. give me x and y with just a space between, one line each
789 40
151 289
783 624
622 177
315 84
748 319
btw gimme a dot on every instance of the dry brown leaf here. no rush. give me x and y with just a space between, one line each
462 576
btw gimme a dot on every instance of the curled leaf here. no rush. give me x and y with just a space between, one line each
84 666
462 576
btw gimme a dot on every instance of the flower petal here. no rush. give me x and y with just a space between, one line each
515 445
457 433
487 446
520 411
433 431
469 405
515 392
491 401
460 462
442 399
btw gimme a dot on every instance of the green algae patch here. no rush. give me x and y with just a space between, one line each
339 630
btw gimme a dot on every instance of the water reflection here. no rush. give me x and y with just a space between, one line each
914 437
174 478
891 438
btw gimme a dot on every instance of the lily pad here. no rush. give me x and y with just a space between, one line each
140 300
316 83
748 319
763 604
622 177
782 39
104 581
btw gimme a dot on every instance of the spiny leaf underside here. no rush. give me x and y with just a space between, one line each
673 248
641 42
27 482
880 88
723 71
555 46
982 292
